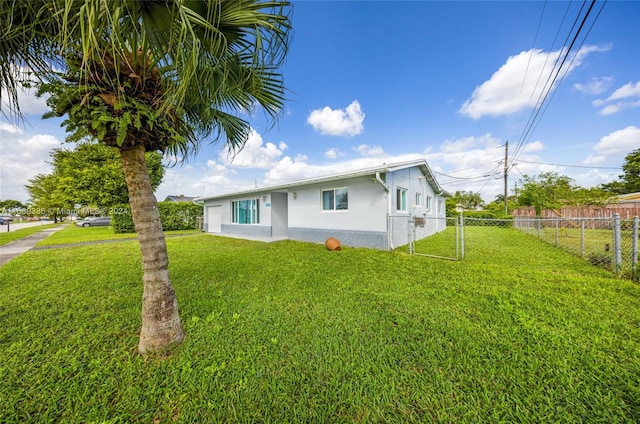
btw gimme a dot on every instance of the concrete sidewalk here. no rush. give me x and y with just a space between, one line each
17 247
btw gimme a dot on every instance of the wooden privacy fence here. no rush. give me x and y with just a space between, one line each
624 210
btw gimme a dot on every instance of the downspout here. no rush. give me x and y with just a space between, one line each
389 222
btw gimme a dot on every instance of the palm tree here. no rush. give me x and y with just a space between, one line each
141 76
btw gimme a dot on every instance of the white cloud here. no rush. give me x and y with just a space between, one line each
517 85
255 153
22 158
198 179
627 90
333 153
594 160
610 109
29 103
10 129
595 85
621 141
367 150
536 146
348 122
289 169
625 97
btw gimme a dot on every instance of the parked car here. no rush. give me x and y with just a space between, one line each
98 221
5 219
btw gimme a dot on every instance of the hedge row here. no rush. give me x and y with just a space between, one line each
174 216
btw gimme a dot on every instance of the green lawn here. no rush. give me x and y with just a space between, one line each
23 232
289 332
74 234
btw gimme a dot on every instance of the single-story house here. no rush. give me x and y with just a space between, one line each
362 208
180 198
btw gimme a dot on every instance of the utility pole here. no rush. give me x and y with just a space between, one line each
506 174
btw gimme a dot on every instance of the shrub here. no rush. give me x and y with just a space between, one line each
179 216
121 219
487 219
174 216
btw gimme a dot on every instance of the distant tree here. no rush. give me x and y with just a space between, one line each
46 197
497 205
11 205
550 190
469 199
91 174
629 181
589 196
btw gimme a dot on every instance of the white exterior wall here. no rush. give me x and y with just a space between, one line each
296 211
414 181
367 206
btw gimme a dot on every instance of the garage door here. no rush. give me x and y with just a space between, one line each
214 219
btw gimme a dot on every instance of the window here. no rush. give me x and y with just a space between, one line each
428 205
336 199
245 211
418 199
401 199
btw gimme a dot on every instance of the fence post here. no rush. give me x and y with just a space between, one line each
582 237
461 236
410 235
617 247
634 260
456 223
557 223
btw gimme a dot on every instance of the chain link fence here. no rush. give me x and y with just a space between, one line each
610 243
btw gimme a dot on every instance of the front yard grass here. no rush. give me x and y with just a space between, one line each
10 236
74 234
289 332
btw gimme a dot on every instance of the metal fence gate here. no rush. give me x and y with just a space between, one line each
428 236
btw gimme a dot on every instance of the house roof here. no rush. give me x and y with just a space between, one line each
180 198
383 168
629 197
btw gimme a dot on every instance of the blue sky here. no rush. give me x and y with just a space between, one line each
372 82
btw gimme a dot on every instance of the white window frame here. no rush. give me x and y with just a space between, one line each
401 199
418 200
334 197
253 211
428 203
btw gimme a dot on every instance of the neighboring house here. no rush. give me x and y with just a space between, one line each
360 208
180 198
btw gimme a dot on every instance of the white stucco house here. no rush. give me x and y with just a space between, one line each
361 208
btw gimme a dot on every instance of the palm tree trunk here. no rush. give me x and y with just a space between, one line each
160 320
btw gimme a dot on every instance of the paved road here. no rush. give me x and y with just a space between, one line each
17 247
14 227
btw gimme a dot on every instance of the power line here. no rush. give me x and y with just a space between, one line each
546 86
539 111
569 166
535 38
475 177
